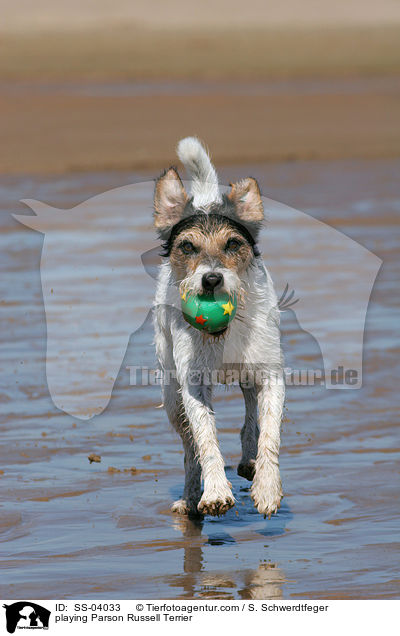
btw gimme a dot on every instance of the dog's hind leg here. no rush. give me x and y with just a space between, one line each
249 434
176 414
217 497
266 489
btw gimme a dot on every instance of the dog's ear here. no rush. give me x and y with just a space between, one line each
170 199
246 197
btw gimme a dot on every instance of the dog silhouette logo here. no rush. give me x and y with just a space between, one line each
26 615
92 276
98 268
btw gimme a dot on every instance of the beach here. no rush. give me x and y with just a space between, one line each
115 88
74 529
61 128
303 96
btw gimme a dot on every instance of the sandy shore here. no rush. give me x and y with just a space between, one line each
129 51
56 128
114 88
79 14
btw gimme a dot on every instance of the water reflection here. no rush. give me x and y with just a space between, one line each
263 582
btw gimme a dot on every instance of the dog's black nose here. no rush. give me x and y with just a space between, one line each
211 280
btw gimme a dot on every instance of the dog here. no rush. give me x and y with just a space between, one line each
210 244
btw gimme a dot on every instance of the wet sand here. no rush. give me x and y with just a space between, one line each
74 529
50 128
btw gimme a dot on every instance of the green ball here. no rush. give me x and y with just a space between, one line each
209 313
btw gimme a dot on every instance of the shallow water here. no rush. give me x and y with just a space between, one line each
71 529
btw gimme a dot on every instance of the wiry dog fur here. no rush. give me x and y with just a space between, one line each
209 233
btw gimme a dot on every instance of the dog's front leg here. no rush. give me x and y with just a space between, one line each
249 434
217 496
266 489
177 416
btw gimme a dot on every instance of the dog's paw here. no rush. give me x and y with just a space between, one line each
180 507
185 507
267 494
247 470
216 503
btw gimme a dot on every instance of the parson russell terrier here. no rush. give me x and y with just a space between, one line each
210 243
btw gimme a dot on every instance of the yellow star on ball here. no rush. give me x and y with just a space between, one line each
184 296
228 307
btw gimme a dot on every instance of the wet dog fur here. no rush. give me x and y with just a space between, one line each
209 245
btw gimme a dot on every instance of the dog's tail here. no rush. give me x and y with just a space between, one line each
204 178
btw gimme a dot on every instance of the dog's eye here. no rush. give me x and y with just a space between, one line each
187 247
232 245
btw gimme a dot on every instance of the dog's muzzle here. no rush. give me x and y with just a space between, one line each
211 281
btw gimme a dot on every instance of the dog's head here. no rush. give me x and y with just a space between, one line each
209 247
